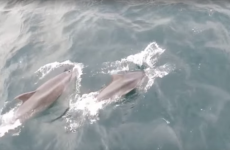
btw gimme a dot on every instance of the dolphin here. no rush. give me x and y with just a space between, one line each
43 97
121 85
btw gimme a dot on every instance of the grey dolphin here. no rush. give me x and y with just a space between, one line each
44 96
122 84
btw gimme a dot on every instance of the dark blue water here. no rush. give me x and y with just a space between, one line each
184 47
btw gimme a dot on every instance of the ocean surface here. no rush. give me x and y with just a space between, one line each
183 46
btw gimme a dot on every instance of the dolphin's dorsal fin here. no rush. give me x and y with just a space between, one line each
25 96
117 76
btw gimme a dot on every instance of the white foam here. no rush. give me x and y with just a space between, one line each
115 67
88 107
149 56
88 102
158 72
46 69
7 124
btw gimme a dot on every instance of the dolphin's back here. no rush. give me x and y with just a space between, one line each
121 85
43 97
61 78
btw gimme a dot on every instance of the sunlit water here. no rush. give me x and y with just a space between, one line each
182 47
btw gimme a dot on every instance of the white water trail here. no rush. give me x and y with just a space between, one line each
7 124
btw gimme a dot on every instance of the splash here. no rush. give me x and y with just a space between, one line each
149 57
46 69
88 104
6 122
85 110
158 72
87 107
